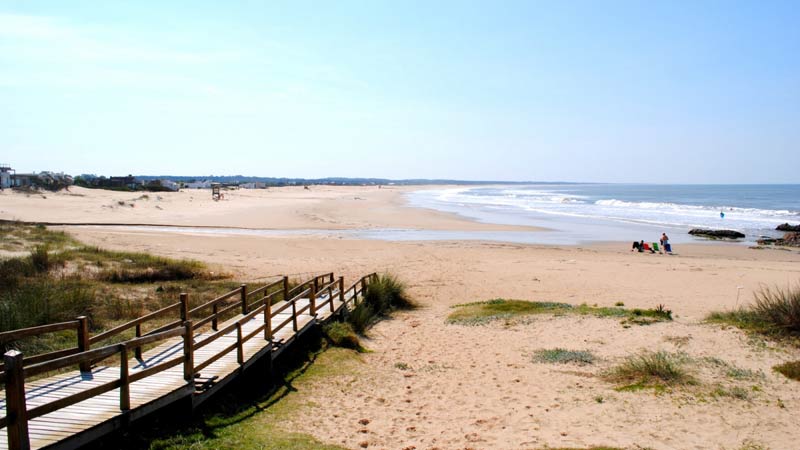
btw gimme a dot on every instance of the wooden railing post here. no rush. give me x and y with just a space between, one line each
16 410
83 342
125 386
285 288
244 299
341 289
239 348
137 352
313 299
330 296
267 319
188 352
294 315
214 320
184 306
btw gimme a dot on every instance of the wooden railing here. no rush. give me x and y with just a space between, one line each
269 301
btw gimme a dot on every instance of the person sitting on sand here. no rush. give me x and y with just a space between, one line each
637 246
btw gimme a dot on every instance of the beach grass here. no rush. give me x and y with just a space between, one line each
480 313
775 313
563 356
790 370
383 295
60 279
650 369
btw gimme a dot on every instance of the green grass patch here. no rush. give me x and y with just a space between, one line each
650 370
563 356
789 370
480 313
775 313
341 334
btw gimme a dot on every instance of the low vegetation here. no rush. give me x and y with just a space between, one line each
341 334
480 313
789 370
252 414
59 279
775 313
650 370
383 295
563 356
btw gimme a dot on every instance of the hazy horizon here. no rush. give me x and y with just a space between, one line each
657 93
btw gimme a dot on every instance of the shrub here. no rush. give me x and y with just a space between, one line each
651 368
562 356
341 334
387 293
789 370
40 259
361 317
383 295
776 312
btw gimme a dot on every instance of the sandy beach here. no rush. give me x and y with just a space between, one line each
428 384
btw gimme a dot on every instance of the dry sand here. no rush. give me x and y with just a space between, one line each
427 384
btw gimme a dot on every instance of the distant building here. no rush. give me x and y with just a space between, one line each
205 184
5 176
254 185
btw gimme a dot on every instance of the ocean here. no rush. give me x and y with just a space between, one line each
578 213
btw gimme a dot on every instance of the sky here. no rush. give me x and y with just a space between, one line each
640 91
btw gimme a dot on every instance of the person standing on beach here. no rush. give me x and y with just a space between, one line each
665 242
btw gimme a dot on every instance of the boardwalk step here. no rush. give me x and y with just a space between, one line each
203 384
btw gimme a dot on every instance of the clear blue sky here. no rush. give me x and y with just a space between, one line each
673 92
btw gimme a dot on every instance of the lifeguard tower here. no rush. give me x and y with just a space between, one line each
215 191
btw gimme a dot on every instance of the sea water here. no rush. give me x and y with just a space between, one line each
575 213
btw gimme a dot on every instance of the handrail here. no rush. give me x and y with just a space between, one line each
14 335
120 328
221 298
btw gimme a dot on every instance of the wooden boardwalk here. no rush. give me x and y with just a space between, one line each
189 360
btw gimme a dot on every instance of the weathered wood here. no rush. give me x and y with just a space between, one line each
137 351
313 299
14 335
243 298
188 352
124 380
79 358
285 288
341 290
72 399
214 317
239 349
83 342
16 409
184 298
135 322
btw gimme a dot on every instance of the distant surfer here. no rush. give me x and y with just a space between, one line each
721 215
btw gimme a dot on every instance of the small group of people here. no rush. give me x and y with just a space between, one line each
642 246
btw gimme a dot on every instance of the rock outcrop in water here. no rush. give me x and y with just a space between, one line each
717 234
790 239
787 227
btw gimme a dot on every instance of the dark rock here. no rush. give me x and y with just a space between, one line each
791 239
717 234
787 227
